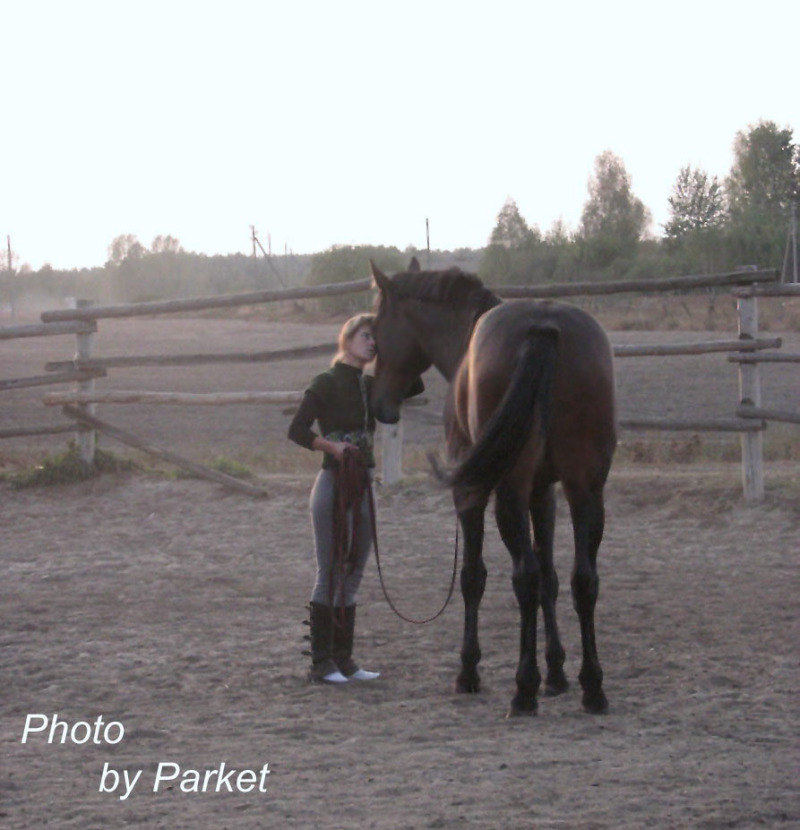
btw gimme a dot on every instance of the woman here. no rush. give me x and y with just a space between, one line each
338 400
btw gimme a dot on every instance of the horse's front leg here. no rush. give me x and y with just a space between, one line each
473 581
512 520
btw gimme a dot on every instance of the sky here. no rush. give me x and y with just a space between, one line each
349 122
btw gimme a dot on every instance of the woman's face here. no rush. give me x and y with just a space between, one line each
361 346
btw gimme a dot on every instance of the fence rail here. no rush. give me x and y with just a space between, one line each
785 357
22 432
627 350
131 361
740 424
46 329
787 290
204 303
700 347
67 376
783 415
589 289
174 398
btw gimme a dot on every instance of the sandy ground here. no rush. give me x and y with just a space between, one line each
175 608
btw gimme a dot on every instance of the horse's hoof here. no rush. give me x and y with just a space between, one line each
556 684
595 703
521 706
467 686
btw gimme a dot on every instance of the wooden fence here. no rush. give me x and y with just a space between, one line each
750 404
69 373
748 350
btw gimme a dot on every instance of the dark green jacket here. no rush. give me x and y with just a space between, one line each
338 400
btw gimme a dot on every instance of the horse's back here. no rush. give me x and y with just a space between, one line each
510 322
584 350
581 432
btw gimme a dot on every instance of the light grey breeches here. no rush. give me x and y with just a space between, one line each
322 503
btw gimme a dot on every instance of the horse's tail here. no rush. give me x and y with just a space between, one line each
528 396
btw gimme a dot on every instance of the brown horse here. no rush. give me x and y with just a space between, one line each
530 403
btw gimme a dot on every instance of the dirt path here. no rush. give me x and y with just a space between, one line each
175 609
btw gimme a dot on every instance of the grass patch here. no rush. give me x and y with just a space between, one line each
67 468
231 467
221 464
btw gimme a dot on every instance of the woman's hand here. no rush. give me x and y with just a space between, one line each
339 448
334 448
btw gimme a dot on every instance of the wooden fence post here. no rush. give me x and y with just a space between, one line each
750 395
87 438
392 451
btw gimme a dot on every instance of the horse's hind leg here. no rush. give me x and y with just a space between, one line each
473 582
514 525
543 510
588 519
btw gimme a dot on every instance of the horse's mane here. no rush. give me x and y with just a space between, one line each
452 286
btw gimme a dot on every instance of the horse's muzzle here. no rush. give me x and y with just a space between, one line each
385 413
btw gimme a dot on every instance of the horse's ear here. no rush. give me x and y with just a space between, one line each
413 266
381 280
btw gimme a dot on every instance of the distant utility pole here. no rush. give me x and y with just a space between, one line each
791 250
267 256
428 241
11 303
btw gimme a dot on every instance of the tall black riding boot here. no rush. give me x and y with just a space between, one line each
323 667
343 634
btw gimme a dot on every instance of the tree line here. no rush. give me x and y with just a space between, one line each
713 226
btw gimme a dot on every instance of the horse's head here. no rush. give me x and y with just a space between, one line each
400 357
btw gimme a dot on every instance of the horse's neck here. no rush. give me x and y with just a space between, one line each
445 337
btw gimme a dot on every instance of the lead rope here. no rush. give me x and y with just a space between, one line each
380 571
362 384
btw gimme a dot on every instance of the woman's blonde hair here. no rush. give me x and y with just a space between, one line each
349 331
